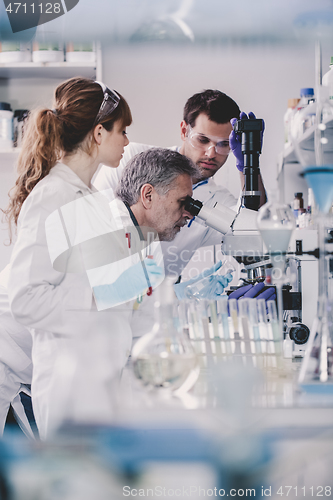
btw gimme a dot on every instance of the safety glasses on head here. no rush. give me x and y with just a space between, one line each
206 142
110 102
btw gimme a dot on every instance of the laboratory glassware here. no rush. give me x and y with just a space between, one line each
292 103
206 287
276 223
318 359
328 79
165 358
316 370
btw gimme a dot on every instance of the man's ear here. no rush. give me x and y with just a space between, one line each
146 195
183 129
98 133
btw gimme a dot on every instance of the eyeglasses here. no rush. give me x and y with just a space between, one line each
110 102
201 141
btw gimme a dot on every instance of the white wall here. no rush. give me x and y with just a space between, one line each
156 81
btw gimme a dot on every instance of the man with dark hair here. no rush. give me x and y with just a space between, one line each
208 138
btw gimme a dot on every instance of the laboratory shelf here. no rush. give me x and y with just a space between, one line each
306 142
47 70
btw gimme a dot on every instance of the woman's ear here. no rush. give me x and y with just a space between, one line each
146 195
98 131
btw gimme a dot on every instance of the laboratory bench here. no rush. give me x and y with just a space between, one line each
243 429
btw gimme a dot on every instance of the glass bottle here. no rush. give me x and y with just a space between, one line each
165 358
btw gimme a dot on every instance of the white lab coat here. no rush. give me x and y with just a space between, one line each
15 359
178 252
78 352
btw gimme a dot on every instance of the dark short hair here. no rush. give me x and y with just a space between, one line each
158 167
219 107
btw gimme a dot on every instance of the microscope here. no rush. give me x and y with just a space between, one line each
241 237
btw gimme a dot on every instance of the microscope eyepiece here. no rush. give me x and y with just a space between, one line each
248 125
192 206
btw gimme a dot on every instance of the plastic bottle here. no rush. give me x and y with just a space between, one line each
298 205
80 52
47 52
328 79
15 51
288 345
303 116
298 201
6 126
292 103
20 116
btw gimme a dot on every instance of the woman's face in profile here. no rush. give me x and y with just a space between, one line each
113 144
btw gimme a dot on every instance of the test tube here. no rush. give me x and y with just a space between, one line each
214 319
195 321
263 327
244 315
253 314
203 308
222 308
233 309
274 323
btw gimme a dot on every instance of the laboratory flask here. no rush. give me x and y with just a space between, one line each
165 358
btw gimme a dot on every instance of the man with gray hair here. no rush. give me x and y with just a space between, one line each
154 187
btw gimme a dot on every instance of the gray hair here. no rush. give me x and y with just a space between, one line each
158 167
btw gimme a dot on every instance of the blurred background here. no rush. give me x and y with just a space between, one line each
157 54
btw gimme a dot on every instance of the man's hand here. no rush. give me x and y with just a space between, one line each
235 140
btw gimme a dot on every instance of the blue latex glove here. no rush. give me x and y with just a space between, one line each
235 140
180 288
128 285
250 291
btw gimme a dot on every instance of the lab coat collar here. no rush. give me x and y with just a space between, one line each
210 182
64 172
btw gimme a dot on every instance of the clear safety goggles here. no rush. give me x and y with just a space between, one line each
110 102
206 142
